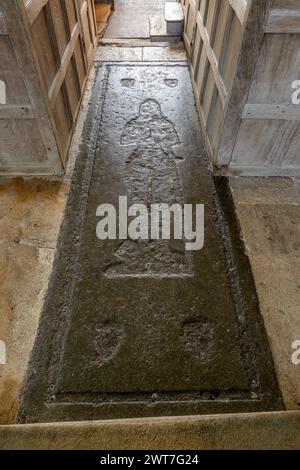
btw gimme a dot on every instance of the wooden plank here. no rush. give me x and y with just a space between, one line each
232 48
267 144
240 8
11 75
213 62
3 29
221 32
249 171
93 21
33 9
60 76
277 68
248 55
284 20
21 143
17 26
17 112
59 25
190 12
272 111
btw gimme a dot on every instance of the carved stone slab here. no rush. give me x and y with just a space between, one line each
144 328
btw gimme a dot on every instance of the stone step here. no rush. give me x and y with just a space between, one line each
174 18
158 30
254 431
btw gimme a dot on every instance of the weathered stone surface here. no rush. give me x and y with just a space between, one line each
131 18
252 431
119 54
271 230
172 53
24 274
30 215
278 285
253 190
268 211
141 329
30 210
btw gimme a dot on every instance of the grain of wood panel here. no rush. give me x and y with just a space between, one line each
17 112
46 49
284 17
272 111
222 29
209 24
3 30
215 123
33 9
277 68
32 148
64 64
240 8
190 11
59 24
267 144
16 93
29 145
64 36
242 77
43 49
231 55
251 41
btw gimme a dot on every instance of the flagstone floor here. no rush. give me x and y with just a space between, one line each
31 211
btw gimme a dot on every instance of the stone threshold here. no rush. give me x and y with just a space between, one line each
254 431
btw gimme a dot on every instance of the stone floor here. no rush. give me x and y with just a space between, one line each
131 18
269 213
30 215
240 431
122 318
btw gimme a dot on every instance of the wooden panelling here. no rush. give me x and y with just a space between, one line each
17 112
213 37
16 93
3 30
240 8
268 139
32 148
277 68
64 38
33 8
46 48
245 62
266 147
272 111
28 145
284 17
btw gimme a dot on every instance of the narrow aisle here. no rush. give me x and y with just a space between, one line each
142 327
146 327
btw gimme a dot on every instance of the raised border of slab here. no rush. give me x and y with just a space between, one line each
35 408
255 431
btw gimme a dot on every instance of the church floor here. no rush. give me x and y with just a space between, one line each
136 328
31 212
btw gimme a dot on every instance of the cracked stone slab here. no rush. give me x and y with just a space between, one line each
144 328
